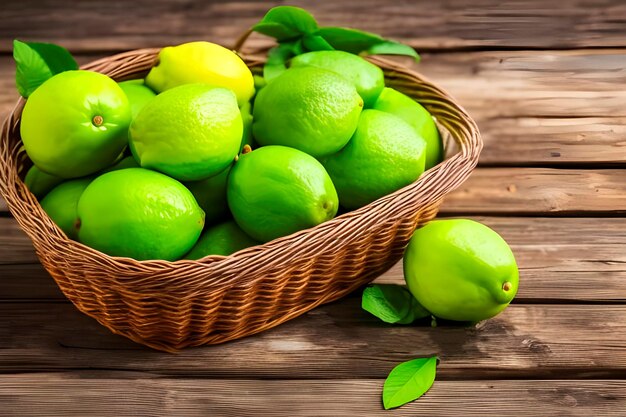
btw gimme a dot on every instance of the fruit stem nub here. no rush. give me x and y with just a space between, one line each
97 120
507 286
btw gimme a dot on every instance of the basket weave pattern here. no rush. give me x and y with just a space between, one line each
172 305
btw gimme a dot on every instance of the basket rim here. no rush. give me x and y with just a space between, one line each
451 172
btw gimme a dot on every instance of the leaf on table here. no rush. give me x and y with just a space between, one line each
408 381
36 62
286 23
392 304
393 48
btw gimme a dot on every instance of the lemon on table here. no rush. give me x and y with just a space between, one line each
201 62
189 132
210 194
310 109
274 191
61 204
75 123
413 113
368 79
40 183
140 214
460 270
384 155
222 239
138 94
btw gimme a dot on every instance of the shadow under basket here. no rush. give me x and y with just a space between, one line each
173 305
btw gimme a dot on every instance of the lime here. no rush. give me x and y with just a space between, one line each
384 155
222 239
61 204
274 191
201 62
460 270
40 183
189 132
210 194
409 110
310 109
368 79
138 94
246 118
75 123
140 214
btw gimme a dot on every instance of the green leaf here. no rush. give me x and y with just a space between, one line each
392 304
286 23
409 381
36 62
358 41
316 43
393 48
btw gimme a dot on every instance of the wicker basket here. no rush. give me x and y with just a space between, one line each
172 305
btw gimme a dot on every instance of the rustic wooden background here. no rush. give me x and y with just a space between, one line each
546 82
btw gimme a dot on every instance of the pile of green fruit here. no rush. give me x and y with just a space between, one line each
194 160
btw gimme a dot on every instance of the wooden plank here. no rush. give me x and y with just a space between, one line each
559 259
112 394
539 191
115 25
339 340
540 107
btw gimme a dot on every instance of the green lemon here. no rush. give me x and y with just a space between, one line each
310 109
189 132
460 270
384 155
40 183
140 214
61 204
274 191
246 118
394 102
138 94
368 79
222 239
75 123
210 194
201 62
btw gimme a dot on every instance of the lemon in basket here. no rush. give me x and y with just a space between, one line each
61 204
274 191
368 79
40 183
138 94
310 109
222 239
460 270
210 194
75 123
201 62
140 214
383 155
396 103
190 132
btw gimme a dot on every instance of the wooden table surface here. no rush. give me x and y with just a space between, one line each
546 82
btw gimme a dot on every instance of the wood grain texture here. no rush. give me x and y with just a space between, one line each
339 340
113 25
117 393
573 259
539 191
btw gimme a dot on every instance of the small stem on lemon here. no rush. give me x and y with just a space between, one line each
97 120
246 149
507 286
